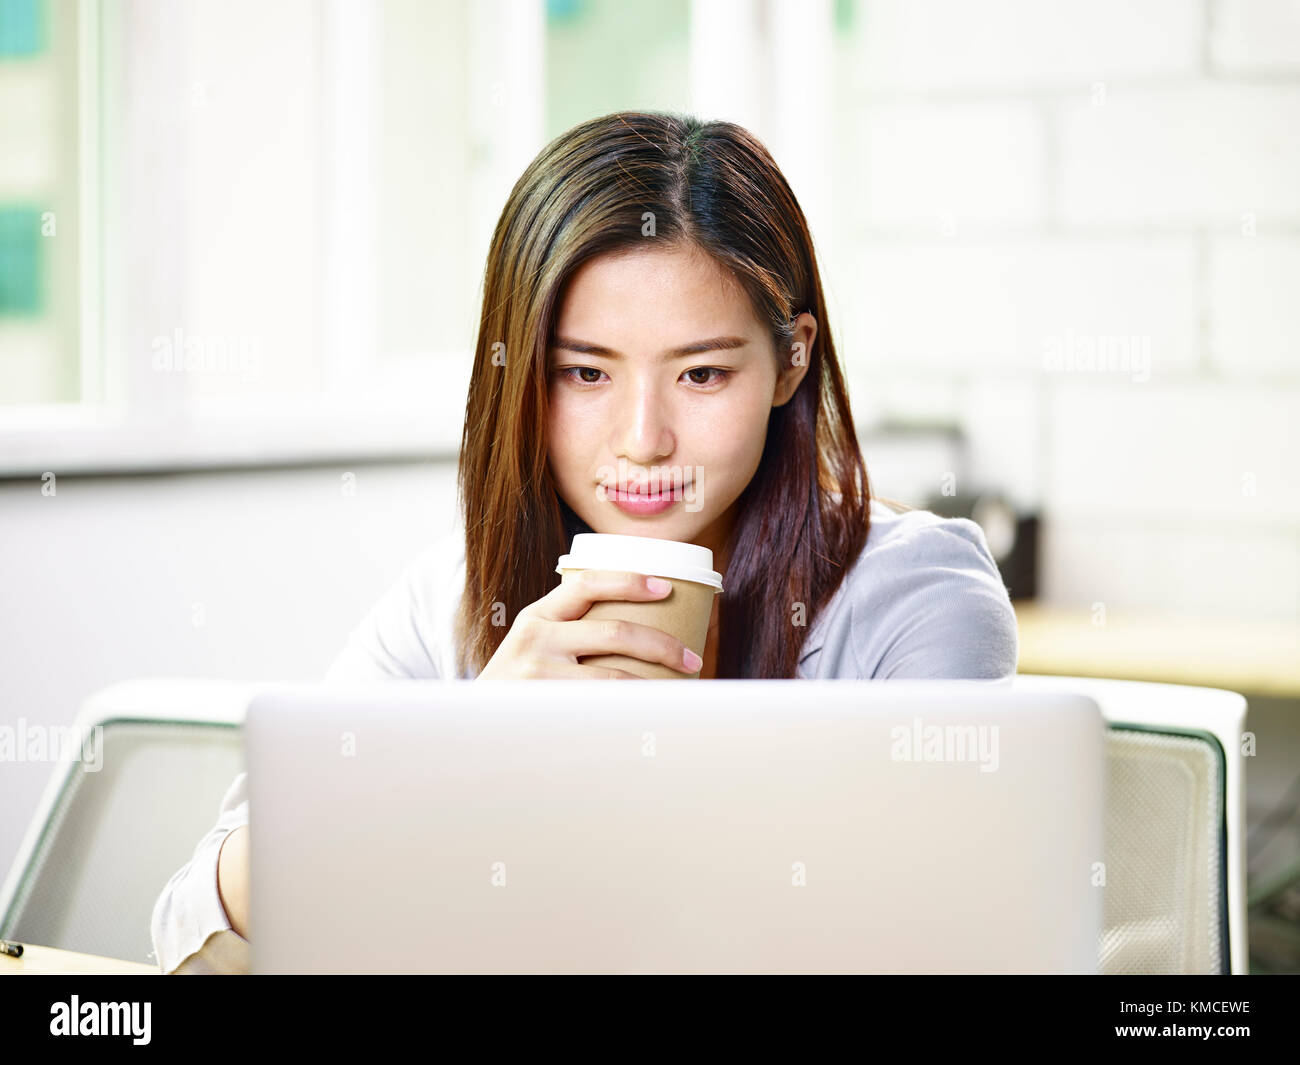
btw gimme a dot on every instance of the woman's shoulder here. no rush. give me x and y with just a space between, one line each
408 633
913 534
924 598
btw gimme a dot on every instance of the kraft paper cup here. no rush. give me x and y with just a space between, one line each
684 612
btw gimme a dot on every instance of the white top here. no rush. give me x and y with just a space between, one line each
923 600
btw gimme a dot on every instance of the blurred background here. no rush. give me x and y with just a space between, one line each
242 245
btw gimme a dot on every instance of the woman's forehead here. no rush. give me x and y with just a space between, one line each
661 287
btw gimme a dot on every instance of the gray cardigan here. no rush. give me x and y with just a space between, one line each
923 600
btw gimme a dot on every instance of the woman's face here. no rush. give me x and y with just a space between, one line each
660 376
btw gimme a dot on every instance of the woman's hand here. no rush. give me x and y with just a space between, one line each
548 636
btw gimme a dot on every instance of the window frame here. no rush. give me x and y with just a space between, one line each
367 413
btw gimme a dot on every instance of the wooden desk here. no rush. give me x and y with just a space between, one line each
1255 658
45 961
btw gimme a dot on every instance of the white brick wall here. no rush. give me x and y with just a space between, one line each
1003 420
929 44
1175 497
945 168
1179 451
1256 36
1183 155
969 308
1017 178
1254 306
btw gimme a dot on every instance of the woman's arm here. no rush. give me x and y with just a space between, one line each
232 879
190 928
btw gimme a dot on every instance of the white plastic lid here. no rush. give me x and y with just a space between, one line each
642 554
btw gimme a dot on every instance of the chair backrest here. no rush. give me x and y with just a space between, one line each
1173 870
103 843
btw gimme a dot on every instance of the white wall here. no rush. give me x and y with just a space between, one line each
1011 174
244 575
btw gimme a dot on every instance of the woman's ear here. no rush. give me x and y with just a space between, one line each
796 359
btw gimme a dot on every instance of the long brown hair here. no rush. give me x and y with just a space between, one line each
604 186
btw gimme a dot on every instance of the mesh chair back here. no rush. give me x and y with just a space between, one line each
116 835
1165 864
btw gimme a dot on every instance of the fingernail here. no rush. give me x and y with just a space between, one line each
692 660
658 584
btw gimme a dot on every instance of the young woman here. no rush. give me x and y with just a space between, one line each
652 317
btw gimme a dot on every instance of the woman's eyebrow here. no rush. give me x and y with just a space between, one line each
712 344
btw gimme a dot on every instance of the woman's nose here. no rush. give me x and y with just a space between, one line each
643 433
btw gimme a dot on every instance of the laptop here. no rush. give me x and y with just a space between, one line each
727 826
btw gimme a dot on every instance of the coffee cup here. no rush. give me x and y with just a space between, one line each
684 612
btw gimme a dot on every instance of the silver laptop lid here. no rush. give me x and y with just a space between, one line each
641 826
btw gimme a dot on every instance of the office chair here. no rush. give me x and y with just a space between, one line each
1175 868
102 844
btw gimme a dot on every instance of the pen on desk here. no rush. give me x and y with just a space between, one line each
14 950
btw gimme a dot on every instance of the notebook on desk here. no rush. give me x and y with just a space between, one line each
801 826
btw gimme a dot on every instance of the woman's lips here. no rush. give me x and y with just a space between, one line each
642 503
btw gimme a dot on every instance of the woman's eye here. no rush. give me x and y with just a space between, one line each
721 375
